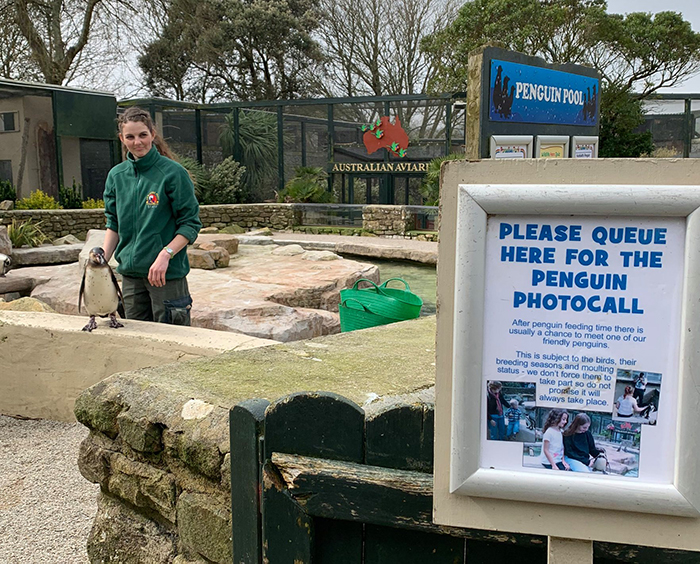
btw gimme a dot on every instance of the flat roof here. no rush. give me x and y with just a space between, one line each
10 88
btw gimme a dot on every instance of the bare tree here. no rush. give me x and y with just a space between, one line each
374 51
69 39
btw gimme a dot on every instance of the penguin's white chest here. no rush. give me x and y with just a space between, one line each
100 294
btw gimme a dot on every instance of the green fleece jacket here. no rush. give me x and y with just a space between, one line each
147 202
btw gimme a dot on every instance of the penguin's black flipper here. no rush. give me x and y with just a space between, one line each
120 309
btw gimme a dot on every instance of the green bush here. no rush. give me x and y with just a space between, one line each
225 184
308 186
92 204
37 200
220 185
430 188
198 173
25 233
7 191
71 197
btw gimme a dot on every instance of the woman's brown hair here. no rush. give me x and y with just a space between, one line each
579 421
135 113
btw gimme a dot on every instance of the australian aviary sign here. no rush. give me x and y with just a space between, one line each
530 94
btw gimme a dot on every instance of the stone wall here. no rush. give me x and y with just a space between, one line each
159 437
57 223
274 216
384 221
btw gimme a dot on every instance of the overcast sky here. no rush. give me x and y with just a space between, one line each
690 10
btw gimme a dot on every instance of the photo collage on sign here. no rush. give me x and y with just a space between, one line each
579 440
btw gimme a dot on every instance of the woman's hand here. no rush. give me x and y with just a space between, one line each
492 422
156 274
566 466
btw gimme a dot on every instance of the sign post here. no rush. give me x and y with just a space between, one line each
567 360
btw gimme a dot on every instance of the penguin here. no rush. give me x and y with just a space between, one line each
5 264
101 290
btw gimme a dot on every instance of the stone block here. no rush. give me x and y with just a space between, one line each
317 256
204 525
120 534
140 433
226 472
97 412
93 461
67 240
142 485
221 257
198 443
201 259
5 243
46 255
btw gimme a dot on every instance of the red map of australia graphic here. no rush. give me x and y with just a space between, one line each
391 137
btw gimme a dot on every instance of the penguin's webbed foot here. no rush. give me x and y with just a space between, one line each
113 323
92 324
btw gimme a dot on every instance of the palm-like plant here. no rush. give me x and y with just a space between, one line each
257 134
430 188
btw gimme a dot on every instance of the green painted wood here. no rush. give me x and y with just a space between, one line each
288 532
318 424
385 545
401 436
337 542
610 553
374 495
498 552
246 427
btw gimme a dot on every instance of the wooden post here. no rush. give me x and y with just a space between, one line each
568 551
246 428
323 425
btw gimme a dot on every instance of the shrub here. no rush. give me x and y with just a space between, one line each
71 197
7 191
25 233
92 204
225 184
307 186
430 188
199 175
37 201
220 185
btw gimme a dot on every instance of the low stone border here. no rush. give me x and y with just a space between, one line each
384 221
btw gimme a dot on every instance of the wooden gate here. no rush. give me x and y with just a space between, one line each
317 479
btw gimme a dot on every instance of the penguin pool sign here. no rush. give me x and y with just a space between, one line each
527 94
521 96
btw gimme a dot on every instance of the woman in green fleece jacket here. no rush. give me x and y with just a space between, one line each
152 214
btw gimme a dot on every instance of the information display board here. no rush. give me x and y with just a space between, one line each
584 147
581 345
511 146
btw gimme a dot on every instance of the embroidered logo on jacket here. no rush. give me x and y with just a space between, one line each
152 199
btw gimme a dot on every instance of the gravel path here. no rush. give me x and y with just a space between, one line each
46 506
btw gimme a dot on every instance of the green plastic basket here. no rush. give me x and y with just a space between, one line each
355 315
398 305
411 303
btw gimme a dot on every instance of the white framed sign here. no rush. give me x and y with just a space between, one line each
552 147
511 146
595 302
584 147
